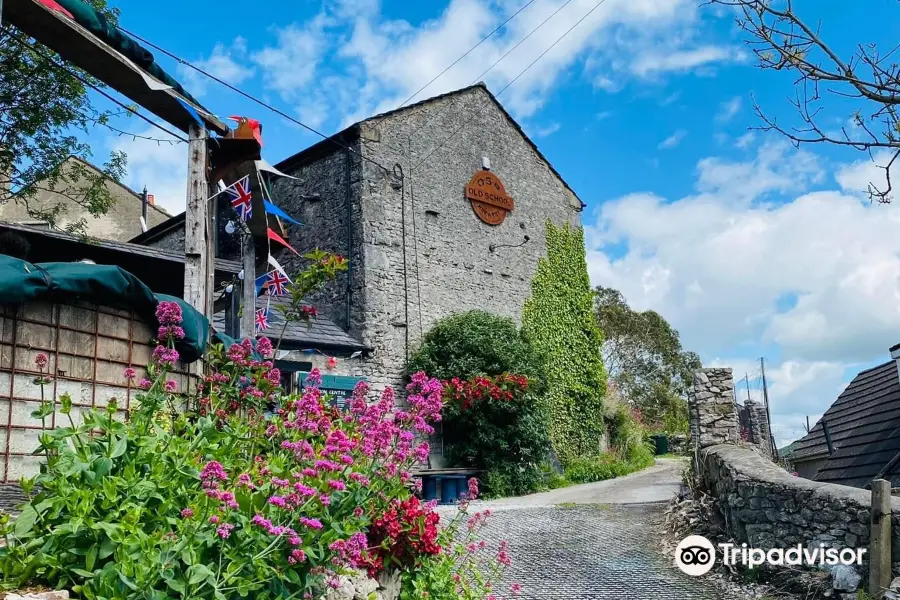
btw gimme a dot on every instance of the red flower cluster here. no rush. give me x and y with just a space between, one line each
401 535
504 387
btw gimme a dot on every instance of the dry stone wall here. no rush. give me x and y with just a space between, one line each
767 507
713 414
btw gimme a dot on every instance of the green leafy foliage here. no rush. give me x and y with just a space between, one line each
476 343
495 425
558 320
645 360
477 353
43 112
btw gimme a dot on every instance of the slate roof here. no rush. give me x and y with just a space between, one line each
864 423
322 334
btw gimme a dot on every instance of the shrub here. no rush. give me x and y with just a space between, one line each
558 320
589 469
629 436
494 424
475 343
220 502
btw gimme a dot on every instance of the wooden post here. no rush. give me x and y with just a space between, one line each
880 539
249 288
196 225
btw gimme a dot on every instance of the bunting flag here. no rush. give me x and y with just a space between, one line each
275 283
274 210
241 198
56 7
262 319
275 264
262 165
191 111
280 240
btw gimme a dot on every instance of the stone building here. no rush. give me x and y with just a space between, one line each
390 193
121 223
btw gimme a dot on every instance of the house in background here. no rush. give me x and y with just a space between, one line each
858 438
121 223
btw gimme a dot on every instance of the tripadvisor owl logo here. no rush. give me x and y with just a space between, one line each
695 555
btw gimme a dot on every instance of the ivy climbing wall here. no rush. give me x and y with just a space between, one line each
558 319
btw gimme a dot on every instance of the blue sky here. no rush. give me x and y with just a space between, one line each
749 246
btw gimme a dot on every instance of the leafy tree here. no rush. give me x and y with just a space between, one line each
862 78
645 359
558 321
43 110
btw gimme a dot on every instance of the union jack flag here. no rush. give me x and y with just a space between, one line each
239 194
262 319
276 283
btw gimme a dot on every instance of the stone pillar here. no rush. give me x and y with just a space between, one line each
712 409
759 427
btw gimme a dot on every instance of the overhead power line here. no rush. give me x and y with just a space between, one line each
251 97
467 52
96 88
512 81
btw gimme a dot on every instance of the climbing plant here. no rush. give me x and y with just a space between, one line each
558 320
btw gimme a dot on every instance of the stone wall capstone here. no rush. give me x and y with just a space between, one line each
759 427
767 507
712 409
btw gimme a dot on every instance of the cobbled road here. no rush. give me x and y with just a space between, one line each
593 542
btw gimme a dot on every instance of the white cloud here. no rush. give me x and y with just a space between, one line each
653 63
728 109
673 140
745 141
541 132
290 65
162 167
859 176
226 63
814 280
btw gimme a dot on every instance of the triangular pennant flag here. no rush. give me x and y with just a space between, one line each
56 7
191 111
274 236
260 283
274 210
152 83
275 264
262 165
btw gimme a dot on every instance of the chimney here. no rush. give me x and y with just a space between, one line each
151 200
895 354
145 199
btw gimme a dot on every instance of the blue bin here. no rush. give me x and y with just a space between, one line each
449 490
429 488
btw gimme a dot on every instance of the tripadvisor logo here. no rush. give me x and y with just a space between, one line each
696 555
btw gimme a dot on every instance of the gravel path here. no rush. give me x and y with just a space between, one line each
593 542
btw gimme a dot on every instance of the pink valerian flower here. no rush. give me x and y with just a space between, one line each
515 589
338 485
41 361
171 386
503 554
297 556
187 513
350 551
214 519
311 523
224 530
278 501
213 471
168 333
130 373
273 376
165 357
168 313
473 489
145 383
264 347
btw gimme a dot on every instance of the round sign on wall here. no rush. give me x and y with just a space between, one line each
489 199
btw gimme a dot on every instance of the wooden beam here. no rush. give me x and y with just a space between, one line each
248 316
83 49
880 539
196 224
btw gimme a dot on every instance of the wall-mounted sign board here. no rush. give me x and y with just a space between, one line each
489 199
339 387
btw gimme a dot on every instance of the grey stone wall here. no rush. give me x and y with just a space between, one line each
448 266
712 410
766 507
173 241
759 427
